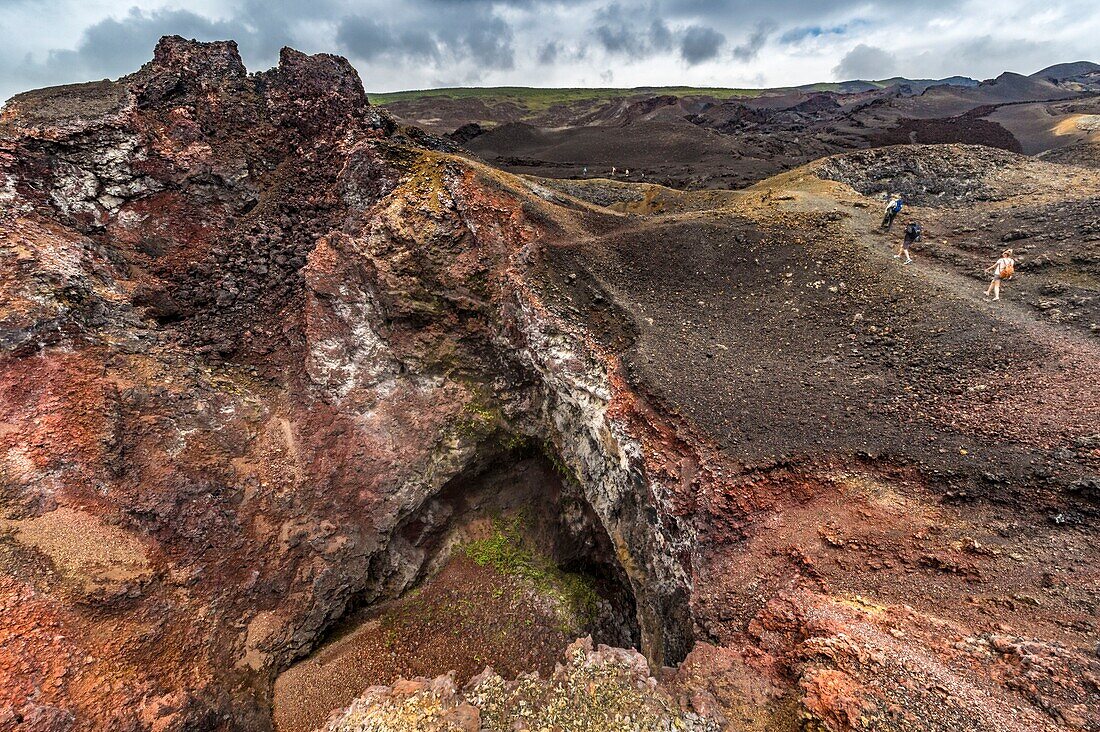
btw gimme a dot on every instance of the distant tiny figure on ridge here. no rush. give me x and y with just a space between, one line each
1002 269
893 208
913 233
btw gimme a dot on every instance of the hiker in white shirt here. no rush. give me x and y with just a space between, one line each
1002 269
893 208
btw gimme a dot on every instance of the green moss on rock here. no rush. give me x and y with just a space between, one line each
508 553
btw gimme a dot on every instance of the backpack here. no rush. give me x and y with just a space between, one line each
897 206
1008 270
913 231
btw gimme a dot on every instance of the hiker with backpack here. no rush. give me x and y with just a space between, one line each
913 233
1002 269
893 208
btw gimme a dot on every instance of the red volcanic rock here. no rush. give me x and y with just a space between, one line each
857 665
314 94
248 321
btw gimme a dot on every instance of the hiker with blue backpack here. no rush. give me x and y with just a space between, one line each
913 233
893 208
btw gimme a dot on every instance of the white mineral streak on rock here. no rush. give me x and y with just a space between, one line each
355 356
607 460
7 188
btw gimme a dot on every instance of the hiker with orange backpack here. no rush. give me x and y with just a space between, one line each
1002 269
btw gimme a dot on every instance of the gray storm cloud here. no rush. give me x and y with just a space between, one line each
752 46
700 44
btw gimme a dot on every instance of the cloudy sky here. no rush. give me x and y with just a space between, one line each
411 44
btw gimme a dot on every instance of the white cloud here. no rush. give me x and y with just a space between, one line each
866 62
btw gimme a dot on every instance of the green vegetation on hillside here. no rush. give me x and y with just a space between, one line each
540 98
544 98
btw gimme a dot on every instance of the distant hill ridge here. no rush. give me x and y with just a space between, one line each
1061 72
561 95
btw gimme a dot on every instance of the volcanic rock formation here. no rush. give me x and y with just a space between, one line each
669 138
271 360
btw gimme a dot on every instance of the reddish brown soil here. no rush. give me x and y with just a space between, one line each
464 619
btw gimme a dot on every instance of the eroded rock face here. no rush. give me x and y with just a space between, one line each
858 665
254 329
255 335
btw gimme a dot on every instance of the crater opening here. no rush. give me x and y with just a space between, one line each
504 567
